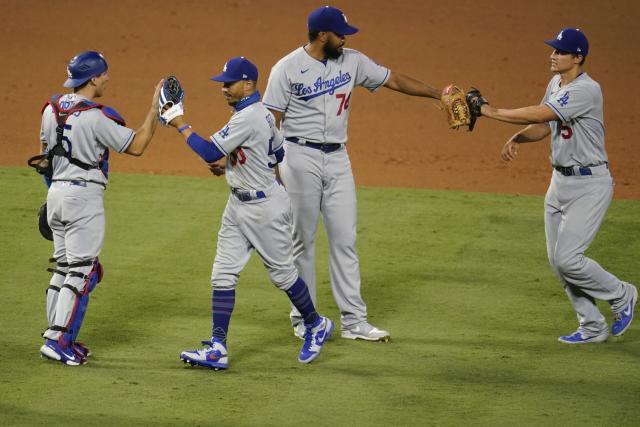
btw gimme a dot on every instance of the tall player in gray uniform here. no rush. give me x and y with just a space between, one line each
257 215
77 135
581 186
310 93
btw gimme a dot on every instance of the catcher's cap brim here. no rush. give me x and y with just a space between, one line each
75 82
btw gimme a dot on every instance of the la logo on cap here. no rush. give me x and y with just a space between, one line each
345 18
224 69
560 36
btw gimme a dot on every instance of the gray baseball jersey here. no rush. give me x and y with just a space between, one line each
75 209
263 223
88 134
315 96
578 138
249 140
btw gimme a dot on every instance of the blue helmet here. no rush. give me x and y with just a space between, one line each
84 66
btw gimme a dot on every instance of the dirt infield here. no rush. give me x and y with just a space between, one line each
395 140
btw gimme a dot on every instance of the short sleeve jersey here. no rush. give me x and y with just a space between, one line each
315 95
87 135
577 137
249 140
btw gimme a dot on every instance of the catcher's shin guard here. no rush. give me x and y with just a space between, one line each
73 301
94 277
55 284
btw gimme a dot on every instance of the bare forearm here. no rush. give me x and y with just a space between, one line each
520 116
532 133
278 116
144 134
410 86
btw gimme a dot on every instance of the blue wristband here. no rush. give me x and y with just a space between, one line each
183 128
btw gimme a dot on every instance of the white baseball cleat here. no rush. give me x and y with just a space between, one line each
365 331
214 356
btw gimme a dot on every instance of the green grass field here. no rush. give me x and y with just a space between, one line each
460 279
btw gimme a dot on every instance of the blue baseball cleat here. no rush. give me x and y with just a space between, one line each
622 320
214 356
314 339
578 338
52 350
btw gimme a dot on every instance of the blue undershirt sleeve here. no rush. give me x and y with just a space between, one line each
279 153
203 148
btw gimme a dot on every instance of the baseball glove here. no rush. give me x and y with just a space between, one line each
171 96
454 103
43 226
475 100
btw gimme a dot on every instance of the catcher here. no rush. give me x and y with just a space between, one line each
77 135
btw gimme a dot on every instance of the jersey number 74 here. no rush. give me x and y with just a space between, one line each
344 101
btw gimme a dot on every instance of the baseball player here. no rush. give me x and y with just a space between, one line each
77 135
310 92
257 215
581 185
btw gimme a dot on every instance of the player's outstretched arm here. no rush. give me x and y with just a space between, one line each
531 133
144 133
520 116
410 86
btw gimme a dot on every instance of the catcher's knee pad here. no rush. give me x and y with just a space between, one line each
84 275
95 275
59 274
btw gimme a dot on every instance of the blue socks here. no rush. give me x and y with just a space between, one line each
222 303
299 295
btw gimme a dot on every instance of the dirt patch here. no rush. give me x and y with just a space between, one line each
395 140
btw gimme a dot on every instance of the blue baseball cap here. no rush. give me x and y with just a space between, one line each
328 18
570 40
236 69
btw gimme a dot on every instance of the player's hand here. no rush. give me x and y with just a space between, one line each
177 122
510 150
218 167
155 103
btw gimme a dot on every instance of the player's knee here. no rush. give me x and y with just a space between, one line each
568 264
283 278
224 282
59 273
77 278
